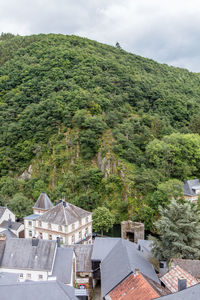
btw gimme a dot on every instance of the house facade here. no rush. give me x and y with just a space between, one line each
64 220
191 189
8 225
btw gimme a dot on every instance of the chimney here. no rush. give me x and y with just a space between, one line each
2 237
64 203
35 242
182 284
137 271
58 241
9 223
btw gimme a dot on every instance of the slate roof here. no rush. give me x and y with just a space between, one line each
170 279
9 234
190 186
43 290
102 246
2 247
31 217
8 278
43 202
2 210
61 215
123 260
137 286
14 225
191 293
192 266
20 254
63 265
83 257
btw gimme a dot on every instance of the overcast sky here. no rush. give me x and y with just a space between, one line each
165 30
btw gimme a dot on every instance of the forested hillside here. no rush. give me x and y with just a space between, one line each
94 124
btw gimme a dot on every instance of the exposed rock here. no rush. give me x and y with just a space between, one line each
27 174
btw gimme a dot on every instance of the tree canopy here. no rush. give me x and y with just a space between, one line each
179 232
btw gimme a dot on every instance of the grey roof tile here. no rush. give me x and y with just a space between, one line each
20 254
13 225
43 290
102 246
123 259
61 215
83 257
191 293
43 202
63 265
9 234
31 217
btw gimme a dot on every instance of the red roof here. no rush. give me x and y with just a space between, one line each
137 286
170 279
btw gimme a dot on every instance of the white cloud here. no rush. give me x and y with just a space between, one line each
167 31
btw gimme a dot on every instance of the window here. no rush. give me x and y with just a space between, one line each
29 223
40 276
86 230
49 225
21 275
39 223
28 276
72 239
41 235
79 234
50 237
30 233
80 222
60 228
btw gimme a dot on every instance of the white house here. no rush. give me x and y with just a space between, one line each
8 225
65 220
37 260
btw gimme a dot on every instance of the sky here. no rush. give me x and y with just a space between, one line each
166 31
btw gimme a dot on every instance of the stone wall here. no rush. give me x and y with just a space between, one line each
132 227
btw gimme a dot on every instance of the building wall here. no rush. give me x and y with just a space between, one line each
29 225
70 234
34 274
191 198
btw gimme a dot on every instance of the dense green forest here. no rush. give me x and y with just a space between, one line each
94 124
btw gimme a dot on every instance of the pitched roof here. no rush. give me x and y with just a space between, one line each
9 234
2 247
102 246
2 210
192 266
13 225
123 260
190 186
41 290
31 217
63 265
43 202
170 279
137 286
20 254
61 215
191 293
83 257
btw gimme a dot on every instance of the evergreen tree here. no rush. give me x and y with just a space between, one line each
179 232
